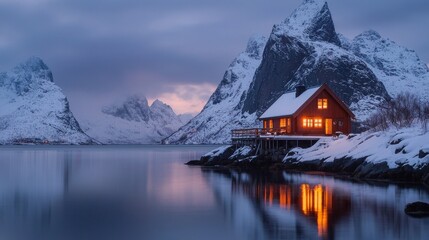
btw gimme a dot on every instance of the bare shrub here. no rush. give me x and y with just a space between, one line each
402 111
424 116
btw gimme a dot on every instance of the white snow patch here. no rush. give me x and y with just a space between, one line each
395 147
216 152
399 68
288 104
242 151
301 19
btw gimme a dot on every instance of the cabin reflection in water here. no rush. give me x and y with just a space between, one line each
314 202
317 201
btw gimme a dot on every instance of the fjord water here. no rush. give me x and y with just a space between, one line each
146 192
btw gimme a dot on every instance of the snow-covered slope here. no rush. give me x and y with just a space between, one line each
34 109
133 122
394 147
399 68
222 113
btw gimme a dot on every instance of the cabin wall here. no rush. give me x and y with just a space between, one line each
334 111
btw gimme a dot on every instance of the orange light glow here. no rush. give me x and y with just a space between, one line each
317 201
322 103
318 122
282 122
307 122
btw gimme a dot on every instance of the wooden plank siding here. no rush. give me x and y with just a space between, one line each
336 110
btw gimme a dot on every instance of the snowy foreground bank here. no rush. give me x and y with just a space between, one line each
400 155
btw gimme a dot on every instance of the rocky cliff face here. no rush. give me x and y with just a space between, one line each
302 50
34 109
306 49
397 67
133 122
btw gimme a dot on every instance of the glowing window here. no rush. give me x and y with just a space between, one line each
322 103
307 122
318 123
265 123
282 122
271 124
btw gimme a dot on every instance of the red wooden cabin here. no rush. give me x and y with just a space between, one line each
315 111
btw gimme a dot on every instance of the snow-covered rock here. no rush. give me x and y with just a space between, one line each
395 148
133 122
311 20
399 68
34 109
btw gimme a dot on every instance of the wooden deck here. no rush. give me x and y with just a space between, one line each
281 134
271 140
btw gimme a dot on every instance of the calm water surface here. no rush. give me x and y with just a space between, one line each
146 192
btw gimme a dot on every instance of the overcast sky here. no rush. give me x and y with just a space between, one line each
174 50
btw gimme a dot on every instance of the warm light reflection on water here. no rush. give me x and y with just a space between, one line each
146 192
317 200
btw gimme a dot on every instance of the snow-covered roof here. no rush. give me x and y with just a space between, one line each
288 104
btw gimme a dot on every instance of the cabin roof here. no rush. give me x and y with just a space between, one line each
288 104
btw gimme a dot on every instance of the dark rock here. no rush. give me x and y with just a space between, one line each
238 154
371 170
423 153
343 165
323 28
287 62
194 163
219 158
417 209
281 59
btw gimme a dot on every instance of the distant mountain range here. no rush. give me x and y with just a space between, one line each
305 49
35 111
134 122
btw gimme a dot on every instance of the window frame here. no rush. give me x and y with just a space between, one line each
322 103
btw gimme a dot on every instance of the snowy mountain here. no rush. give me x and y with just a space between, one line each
399 68
223 111
305 49
34 109
133 122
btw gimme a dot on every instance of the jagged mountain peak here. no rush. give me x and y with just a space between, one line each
134 108
34 109
36 67
136 99
311 20
133 121
159 103
160 107
400 69
255 46
370 34
305 49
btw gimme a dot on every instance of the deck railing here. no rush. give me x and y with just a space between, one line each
256 132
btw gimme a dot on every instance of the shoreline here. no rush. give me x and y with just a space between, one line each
357 169
338 175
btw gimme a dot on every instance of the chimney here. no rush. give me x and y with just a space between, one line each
299 89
